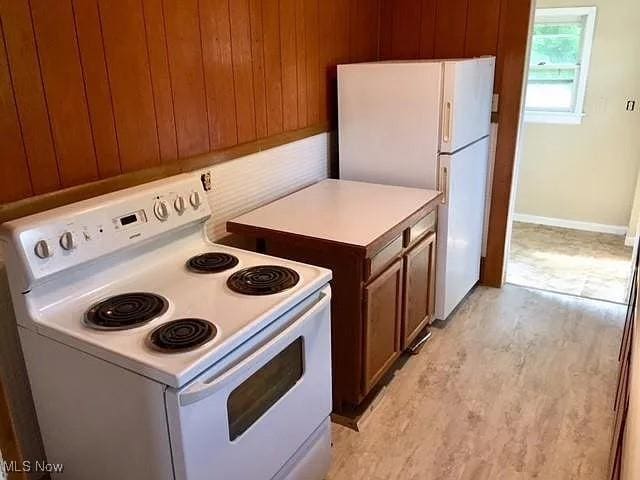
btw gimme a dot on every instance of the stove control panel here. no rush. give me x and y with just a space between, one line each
68 236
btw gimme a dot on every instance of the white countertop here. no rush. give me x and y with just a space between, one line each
354 213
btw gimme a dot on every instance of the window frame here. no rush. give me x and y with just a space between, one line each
573 117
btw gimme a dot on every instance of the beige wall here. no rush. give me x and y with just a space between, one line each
588 172
632 232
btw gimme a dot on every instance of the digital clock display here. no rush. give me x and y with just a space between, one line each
129 219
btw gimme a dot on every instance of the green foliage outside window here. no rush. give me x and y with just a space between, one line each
555 44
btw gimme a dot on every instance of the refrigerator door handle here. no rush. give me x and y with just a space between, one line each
444 184
446 131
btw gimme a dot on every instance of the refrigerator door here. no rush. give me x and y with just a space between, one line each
460 224
389 116
466 103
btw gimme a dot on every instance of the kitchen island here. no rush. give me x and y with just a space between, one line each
380 242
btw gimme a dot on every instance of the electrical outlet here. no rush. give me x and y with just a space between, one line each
205 178
631 105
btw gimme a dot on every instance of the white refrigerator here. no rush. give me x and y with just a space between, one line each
425 124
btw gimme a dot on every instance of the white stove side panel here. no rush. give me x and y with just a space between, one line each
100 421
246 183
13 375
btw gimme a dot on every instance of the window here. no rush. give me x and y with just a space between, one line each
559 64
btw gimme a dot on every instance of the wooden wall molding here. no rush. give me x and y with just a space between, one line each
516 17
40 203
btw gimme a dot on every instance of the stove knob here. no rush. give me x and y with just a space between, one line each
194 200
161 210
67 241
179 205
42 249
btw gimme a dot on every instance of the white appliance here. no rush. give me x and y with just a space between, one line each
425 124
149 360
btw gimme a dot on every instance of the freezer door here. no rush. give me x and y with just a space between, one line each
466 104
460 224
388 117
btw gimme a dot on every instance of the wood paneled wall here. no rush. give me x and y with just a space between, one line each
439 28
90 89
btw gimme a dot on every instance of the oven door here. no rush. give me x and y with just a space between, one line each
246 421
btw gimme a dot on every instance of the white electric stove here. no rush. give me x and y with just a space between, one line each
154 354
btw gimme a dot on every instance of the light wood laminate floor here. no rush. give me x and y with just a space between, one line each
587 264
517 385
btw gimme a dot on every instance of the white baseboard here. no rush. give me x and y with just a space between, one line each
573 224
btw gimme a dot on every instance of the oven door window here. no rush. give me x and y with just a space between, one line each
258 393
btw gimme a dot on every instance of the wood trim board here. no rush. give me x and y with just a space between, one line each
515 21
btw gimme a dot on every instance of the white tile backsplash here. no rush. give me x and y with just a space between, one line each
246 183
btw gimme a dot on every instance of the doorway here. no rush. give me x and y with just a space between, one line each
576 207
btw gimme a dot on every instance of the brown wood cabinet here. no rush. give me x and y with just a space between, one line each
621 403
382 288
419 288
382 319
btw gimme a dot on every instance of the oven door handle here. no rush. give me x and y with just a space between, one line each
207 387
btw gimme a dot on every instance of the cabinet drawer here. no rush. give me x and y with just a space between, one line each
418 229
383 258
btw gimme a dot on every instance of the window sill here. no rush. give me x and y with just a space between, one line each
549 117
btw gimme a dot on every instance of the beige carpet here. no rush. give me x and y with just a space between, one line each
587 264
519 384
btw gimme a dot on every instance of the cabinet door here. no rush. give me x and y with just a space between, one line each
419 288
382 317
621 405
